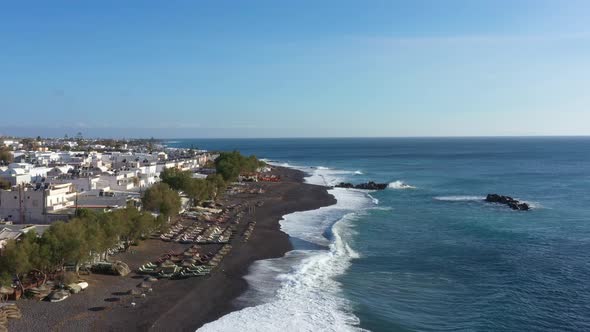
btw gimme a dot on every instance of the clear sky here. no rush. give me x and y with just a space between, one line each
295 68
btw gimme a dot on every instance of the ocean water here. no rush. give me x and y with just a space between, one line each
427 254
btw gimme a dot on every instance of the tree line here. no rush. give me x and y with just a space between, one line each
228 166
197 190
86 236
231 164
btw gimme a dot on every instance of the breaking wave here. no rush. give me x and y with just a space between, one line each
399 185
459 198
298 292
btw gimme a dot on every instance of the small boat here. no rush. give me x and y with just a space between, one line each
58 296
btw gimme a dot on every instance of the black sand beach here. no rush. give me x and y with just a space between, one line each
179 305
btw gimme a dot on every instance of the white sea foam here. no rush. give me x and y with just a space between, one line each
399 185
381 208
319 175
299 292
375 200
459 198
532 205
324 176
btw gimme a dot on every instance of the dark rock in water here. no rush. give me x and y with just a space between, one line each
507 200
365 186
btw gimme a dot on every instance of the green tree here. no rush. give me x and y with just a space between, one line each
69 242
162 199
217 185
5 279
231 164
6 156
176 179
4 184
15 260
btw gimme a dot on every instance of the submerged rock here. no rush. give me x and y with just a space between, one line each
365 186
507 200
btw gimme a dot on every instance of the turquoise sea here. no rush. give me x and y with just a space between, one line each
427 254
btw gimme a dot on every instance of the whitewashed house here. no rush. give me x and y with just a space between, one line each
28 204
15 176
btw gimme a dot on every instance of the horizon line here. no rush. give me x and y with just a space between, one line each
313 137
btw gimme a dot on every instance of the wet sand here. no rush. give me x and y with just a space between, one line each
180 305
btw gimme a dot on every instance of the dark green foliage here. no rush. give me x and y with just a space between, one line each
231 164
196 189
75 242
176 179
5 279
162 199
5 156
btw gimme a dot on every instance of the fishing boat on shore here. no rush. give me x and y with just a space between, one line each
58 295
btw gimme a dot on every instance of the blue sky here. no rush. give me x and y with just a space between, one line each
295 68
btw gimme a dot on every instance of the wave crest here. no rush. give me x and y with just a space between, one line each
459 198
399 185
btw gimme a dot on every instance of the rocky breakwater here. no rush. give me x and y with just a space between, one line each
365 186
507 200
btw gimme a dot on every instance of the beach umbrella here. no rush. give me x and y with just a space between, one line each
167 263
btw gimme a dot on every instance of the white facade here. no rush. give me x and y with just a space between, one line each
121 181
81 184
30 205
15 176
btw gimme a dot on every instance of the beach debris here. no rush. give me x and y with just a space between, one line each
38 293
8 311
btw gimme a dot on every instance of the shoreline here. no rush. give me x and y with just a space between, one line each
181 305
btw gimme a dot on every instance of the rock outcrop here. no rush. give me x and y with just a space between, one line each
365 186
507 200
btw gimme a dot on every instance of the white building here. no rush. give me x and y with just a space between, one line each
15 176
120 181
81 184
27 204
